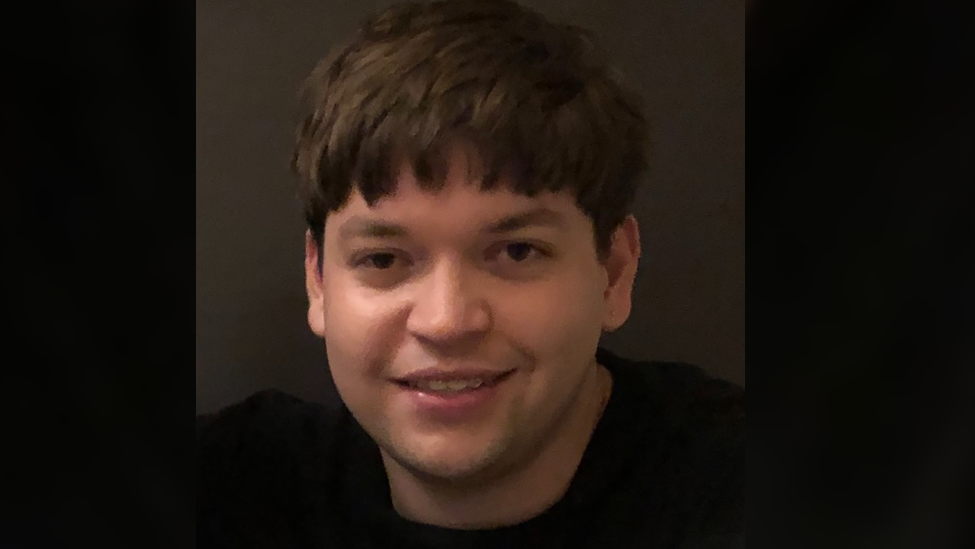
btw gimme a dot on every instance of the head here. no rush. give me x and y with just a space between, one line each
467 171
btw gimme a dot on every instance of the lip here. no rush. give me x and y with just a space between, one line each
454 407
439 374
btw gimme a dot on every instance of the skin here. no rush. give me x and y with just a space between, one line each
438 279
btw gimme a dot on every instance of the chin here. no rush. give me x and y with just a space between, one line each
450 466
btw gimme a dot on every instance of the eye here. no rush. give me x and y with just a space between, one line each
519 251
377 261
381 269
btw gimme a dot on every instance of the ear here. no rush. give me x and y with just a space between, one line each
314 286
621 264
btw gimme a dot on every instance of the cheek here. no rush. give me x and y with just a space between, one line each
360 332
557 317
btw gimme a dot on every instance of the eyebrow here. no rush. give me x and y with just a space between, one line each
360 227
535 217
363 227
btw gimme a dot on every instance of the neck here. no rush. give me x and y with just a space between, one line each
519 493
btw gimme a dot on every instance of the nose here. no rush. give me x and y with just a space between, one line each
449 308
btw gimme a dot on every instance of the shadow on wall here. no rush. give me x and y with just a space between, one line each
267 345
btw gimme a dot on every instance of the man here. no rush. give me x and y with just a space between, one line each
467 170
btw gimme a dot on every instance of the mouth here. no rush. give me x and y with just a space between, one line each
447 384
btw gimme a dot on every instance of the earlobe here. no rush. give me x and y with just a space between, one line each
314 286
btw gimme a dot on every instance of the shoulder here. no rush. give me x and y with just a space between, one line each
706 422
710 419
698 403
266 409
264 430
696 430
258 463
683 396
703 416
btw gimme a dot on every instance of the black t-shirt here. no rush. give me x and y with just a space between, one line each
664 469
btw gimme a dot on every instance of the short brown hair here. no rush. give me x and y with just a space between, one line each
533 99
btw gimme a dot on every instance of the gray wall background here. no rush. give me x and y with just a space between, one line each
687 55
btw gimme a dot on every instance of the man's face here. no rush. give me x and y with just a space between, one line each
424 285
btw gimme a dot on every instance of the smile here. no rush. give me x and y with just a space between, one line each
450 384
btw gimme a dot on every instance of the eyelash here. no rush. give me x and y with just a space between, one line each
360 262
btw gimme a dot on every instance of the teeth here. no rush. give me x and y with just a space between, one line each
450 386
